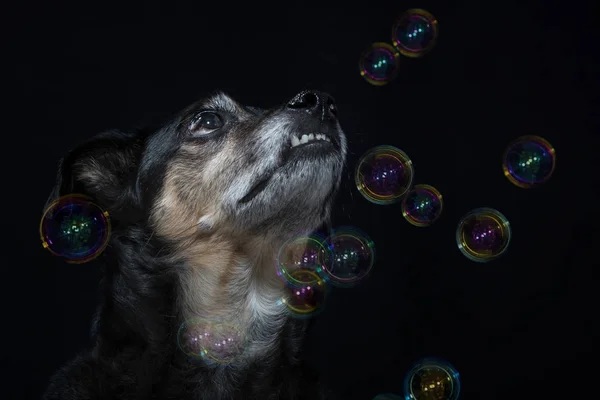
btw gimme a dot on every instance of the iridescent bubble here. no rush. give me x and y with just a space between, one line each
75 228
213 342
422 205
483 234
306 251
305 293
384 174
415 32
387 396
379 64
529 161
353 256
432 379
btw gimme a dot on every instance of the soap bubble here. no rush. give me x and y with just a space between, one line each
305 294
353 256
75 228
432 379
483 234
379 64
384 174
305 251
213 342
529 161
422 206
414 34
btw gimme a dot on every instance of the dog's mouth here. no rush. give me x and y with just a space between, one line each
308 145
311 147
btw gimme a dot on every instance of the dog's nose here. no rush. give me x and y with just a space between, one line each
316 103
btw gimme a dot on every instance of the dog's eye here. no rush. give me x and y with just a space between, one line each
206 122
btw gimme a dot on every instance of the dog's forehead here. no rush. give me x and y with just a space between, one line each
222 101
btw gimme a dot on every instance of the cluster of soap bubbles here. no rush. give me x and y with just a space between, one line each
428 379
309 263
413 35
384 175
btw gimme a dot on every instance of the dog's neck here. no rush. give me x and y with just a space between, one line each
235 284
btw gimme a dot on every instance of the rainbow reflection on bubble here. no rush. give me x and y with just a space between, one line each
75 228
378 65
422 205
305 294
432 379
305 251
529 161
483 234
210 341
384 174
415 32
353 256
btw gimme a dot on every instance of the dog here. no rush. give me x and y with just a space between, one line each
199 209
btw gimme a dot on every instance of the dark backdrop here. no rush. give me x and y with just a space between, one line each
519 327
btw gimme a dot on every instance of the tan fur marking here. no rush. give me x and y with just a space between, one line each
217 262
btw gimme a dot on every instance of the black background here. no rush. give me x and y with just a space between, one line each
519 327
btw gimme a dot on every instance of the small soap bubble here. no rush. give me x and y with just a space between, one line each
384 174
213 342
305 294
483 234
415 32
529 161
353 256
387 396
305 251
422 205
379 64
75 228
432 379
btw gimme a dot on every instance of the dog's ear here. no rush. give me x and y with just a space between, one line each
102 168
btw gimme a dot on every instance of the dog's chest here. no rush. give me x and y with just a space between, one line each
245 314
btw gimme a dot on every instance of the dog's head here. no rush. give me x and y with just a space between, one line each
240 170
218 166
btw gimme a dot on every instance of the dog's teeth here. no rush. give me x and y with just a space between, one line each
307 138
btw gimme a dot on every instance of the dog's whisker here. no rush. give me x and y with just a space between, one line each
149 238
159 251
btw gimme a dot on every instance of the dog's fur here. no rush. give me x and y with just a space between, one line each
188 242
